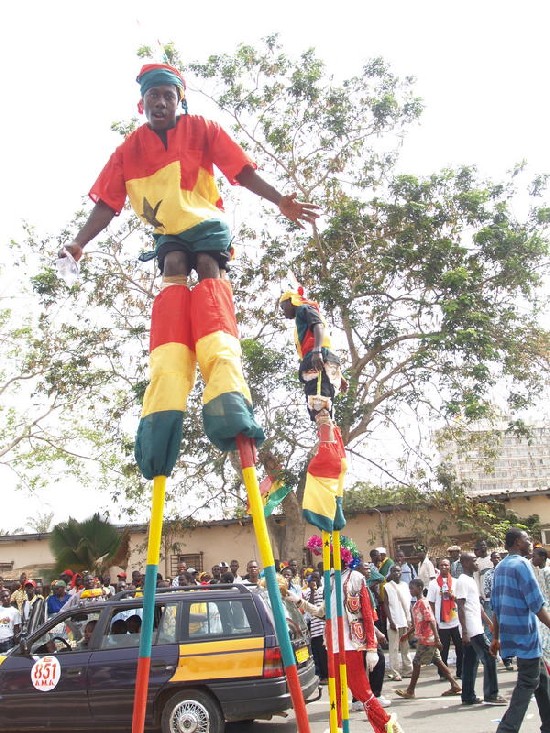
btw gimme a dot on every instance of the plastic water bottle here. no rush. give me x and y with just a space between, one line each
67 268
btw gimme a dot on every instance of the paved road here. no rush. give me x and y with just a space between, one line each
429 713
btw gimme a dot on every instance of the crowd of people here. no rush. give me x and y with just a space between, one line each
490 606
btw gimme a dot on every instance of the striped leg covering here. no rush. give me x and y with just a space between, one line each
172 376
227 403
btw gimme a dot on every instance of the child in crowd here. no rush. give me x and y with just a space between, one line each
428 643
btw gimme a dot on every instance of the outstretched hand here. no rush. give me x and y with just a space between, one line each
73 248
298 210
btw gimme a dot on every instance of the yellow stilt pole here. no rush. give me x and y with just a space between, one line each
146 637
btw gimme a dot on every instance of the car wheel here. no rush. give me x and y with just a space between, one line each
192 711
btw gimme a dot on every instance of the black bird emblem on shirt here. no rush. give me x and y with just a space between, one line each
150 213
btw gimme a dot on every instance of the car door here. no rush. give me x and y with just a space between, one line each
39 686
112 666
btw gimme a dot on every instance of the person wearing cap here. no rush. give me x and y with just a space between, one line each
121 581
58 599
192 574
166 170
313 345
33 606
454 552
385 562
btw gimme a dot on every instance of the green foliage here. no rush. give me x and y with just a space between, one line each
462 513
89 545
433 283
41 522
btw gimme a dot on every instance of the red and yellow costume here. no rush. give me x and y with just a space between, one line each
172 187
170 184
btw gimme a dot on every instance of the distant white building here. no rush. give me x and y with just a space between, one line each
518 464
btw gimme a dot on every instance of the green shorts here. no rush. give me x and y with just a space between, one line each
426 654
212 236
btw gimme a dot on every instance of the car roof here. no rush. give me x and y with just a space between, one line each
178 593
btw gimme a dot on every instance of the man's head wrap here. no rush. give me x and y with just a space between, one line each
155 75
297 298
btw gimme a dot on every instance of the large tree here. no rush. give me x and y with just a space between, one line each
433 283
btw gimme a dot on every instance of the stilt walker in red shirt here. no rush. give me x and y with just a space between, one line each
166 169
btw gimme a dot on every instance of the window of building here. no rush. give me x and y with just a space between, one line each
193 560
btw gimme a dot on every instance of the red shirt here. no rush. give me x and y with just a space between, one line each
422 617
171 187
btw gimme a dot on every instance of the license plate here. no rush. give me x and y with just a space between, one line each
302 655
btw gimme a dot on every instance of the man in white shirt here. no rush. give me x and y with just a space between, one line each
442 599
180 570
426 568
408 573
483 564
397 603
234 567
476 646
10 622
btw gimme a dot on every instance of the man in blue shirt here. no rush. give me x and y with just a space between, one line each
58 599
517 601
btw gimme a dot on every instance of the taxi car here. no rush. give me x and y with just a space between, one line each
215 658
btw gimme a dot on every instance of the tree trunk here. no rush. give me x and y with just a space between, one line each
288 536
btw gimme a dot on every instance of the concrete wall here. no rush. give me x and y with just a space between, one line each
213 543
235 540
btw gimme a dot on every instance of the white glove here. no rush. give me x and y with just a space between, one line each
372 660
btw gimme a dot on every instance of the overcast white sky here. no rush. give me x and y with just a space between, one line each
68 72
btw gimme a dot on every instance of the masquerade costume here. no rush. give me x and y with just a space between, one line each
358 636
307 317
170 183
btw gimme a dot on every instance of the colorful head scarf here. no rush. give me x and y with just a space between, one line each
154 75
297 298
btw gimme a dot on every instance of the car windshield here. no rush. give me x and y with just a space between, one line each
72 633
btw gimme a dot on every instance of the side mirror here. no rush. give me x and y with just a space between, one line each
23 646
